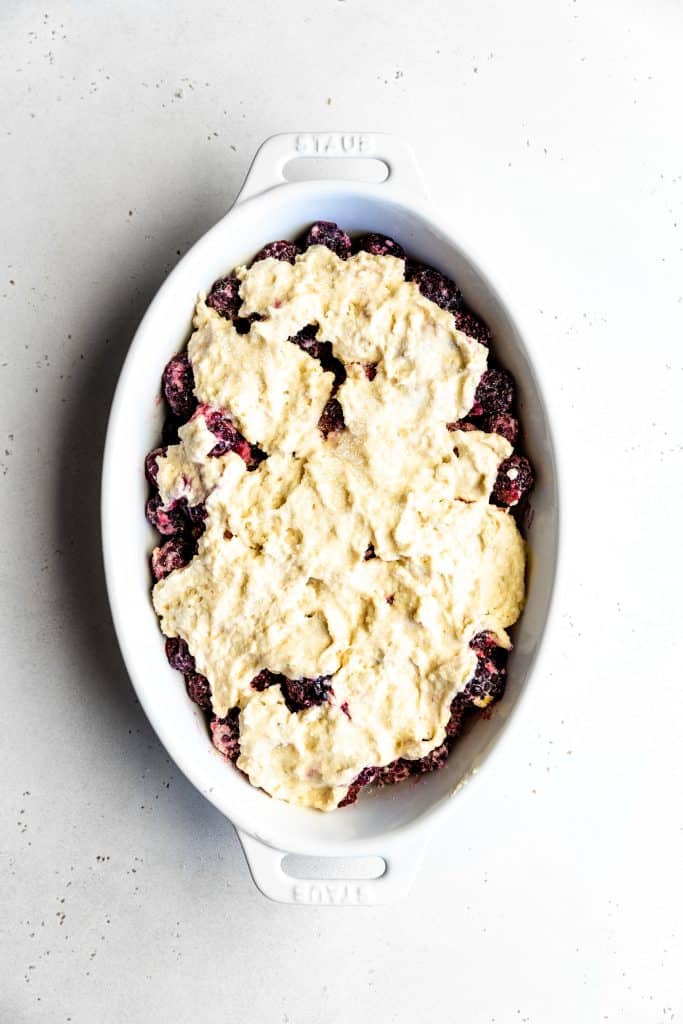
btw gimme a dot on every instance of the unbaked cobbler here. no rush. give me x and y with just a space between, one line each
338 492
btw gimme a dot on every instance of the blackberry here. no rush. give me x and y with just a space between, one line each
178 384
459 714
505 424
364 778
300 694
484 644
167 520
178 654
494 394
436 758
326 232
307 341
225 734
174 554
470 324
435 286
487 685
228 437
515 479
398 771
243 323
379 245
266 678
224 297
282 250
198 690
395 772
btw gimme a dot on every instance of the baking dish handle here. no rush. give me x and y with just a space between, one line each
268 166
401 864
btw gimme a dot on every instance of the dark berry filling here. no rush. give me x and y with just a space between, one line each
266 678
184 525
198 690
307 339
326 232
178 654
494 394
169 519
178 386
225 734
169 431
196 517
436 758
435 286
487 685
505 424
398 771
470 324
308 342
151 466
514 481
178 517
197 686
332 418
282 250
460 711
228 437
484 644
174 554
367 776
379 245
298 694
243 323
224 297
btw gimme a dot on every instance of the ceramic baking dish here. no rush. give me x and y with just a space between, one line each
392 823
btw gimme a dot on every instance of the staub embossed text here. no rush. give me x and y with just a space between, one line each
334 894
335 144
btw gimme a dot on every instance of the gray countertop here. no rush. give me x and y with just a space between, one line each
548 133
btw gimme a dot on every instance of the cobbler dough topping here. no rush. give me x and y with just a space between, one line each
187 471
281 580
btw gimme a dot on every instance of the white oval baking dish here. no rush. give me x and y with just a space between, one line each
393 823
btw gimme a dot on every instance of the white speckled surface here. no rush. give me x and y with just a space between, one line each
549 131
